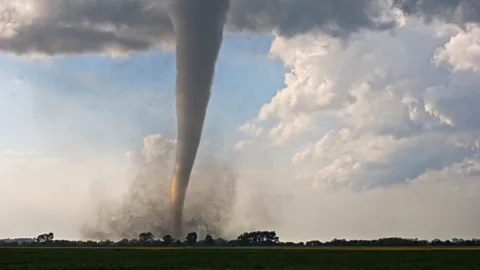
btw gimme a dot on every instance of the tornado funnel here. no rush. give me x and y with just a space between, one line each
199 32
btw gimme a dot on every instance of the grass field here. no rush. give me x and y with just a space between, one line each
236 258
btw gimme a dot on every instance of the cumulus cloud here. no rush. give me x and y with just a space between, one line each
241 145
372 161
462 51
51 27
157 148
250 129
386 112
285 131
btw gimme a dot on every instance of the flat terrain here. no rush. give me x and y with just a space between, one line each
237 258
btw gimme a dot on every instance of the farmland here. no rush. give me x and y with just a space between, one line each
237 258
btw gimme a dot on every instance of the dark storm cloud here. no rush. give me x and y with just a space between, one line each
454 11
85 26
291 17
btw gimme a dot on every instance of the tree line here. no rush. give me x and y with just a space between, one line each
256 238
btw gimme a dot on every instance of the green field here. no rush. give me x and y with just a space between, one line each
235 258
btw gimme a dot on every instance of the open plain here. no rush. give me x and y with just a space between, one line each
238 258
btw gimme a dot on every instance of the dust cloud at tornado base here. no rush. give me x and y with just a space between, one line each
213 205
146 205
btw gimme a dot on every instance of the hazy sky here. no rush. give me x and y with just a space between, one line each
377 136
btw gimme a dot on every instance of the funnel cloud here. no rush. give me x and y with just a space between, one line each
199 32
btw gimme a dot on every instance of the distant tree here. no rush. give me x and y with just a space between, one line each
134 242
40 238
314 243
233 243
106 243
258 238
146 237
245 239
436 242
458 241
221 242
178 243
167 240
123 242
209 240
45 238
191 238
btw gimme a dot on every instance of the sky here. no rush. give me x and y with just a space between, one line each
366 135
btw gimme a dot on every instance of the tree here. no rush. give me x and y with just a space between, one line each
41 238
314 243
146 237
178 243
50 237
123 242
209 240
106 242
191 238
258 238
45 238
167 240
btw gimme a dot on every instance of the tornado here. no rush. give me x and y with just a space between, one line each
198 26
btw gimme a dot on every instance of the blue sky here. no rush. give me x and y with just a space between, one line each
105 88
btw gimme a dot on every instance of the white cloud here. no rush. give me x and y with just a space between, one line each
462 51
369 161
392 113
157 148
303 93
250 129
285 131
241 145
